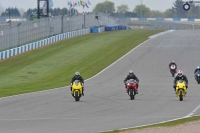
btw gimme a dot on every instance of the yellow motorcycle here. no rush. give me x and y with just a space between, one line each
181 89
77 90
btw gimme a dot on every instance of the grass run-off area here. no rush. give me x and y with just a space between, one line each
166 124
54 65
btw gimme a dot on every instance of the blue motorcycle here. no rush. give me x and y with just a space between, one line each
197 77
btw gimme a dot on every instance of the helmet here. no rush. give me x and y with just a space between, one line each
198 67
77 74
131 72
180 73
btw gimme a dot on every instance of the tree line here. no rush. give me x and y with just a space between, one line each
108 7
143 11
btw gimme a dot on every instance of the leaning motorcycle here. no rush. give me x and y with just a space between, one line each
173 70
197 77
77 90
181 89
131 86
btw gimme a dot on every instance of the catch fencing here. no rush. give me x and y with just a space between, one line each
15 34
160 24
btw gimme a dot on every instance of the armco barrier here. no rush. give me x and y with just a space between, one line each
34 45
11 52
191 19
176 19
15 51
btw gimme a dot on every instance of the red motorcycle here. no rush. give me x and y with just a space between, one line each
173 70
131 87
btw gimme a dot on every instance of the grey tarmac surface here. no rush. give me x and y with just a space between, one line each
106 105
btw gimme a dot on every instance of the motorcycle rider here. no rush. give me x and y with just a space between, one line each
131 75
77 76
172 63
180 76
197 70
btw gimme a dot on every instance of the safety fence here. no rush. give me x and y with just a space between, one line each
161 24
14 34
31 46
34 45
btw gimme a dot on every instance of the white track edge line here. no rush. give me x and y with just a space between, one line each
147 124
192 113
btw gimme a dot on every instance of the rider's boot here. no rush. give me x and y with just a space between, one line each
137 88
71 89
127 90
83 92
137 91
174 86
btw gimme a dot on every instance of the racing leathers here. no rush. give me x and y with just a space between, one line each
196 70
77 78
183 77
128 77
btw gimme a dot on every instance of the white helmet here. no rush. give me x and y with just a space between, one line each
77 74
131 72
180 73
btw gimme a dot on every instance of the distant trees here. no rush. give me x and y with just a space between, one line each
105 7
121 11
142 11
168 13
178 10
12 12
54 12
122 8
156 14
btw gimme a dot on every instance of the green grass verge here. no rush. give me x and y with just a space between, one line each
54 65
166 124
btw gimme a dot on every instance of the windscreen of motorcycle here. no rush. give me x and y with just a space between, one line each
131 81
76 82
173 66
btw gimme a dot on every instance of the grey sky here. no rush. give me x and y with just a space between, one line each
160 5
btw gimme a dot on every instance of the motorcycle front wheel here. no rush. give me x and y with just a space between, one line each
131 94
181 96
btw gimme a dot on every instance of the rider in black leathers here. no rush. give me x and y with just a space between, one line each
131 75
196 70
77 76
180 76
172 63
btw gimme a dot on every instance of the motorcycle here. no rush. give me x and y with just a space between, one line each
197 77
131 86
181 89
173 70
77 90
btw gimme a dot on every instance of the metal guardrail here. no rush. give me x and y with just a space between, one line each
15 34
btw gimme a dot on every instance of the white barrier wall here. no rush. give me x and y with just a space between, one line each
15 51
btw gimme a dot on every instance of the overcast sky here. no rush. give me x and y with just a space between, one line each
160 5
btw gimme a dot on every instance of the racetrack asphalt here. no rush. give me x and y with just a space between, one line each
106 105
